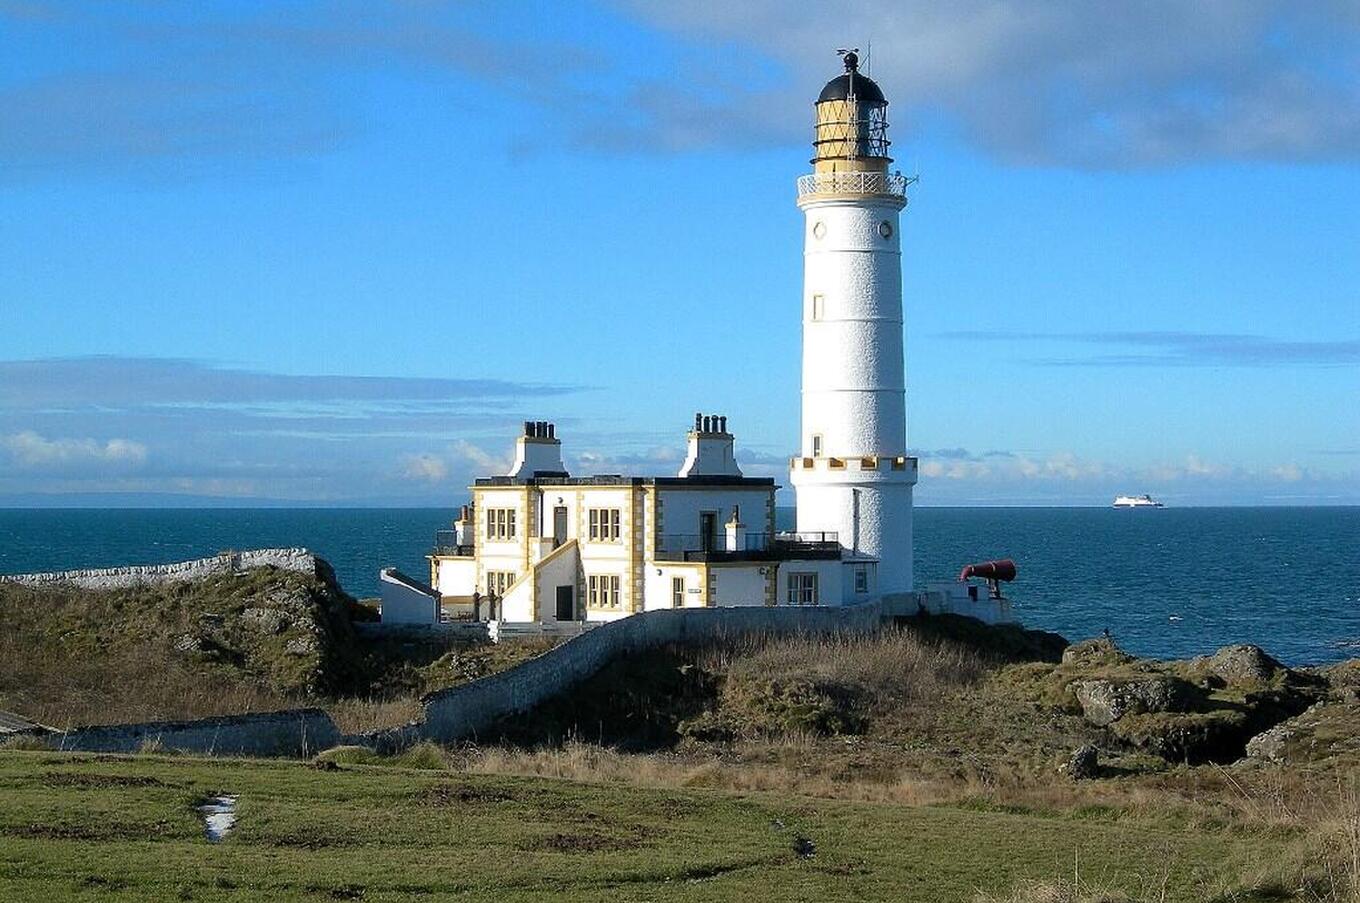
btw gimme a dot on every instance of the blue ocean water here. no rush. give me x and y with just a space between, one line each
1168 583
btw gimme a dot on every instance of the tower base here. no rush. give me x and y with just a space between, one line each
868 504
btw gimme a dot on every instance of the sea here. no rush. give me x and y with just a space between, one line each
1167 583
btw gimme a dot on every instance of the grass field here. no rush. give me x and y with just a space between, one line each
86 827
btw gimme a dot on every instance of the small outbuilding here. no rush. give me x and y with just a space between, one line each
406 600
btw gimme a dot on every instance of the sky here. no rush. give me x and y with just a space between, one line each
334 253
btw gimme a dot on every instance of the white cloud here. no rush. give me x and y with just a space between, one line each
1288 473
426 468
461 460
484 461
1048 81
1065 467
28 449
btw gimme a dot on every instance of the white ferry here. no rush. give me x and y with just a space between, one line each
1136 501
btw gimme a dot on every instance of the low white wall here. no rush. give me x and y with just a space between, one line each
295 732
950 598
299 560
460 712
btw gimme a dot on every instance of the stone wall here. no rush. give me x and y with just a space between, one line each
295 732
461 712
299 560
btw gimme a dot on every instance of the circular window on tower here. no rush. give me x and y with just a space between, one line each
885 229
819 230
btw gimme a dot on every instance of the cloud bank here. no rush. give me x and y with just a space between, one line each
1052 83
1183 349
148 426
1066 83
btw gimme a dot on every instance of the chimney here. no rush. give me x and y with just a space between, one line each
736 531
463 527
538 451
710 451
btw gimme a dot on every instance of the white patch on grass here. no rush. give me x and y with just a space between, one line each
219 816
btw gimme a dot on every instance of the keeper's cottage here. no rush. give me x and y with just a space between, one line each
553 546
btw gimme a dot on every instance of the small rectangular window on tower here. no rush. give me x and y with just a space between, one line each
817 445
818 306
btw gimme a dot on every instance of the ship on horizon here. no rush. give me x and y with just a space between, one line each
1136 501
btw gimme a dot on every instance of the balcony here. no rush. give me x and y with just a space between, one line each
446 544
756 547
834 183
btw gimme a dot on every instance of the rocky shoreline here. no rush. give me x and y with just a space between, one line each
1238 705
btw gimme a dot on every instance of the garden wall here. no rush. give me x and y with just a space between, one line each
295 732
460 712
299 560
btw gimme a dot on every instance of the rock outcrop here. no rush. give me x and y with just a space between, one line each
1098 651
1105 701
1242 663
1201 710
1083 764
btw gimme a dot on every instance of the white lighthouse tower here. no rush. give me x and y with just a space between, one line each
854 476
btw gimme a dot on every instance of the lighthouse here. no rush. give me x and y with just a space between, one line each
853 476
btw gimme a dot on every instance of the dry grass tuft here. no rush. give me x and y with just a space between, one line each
589 763
357 716
891 665
1056 892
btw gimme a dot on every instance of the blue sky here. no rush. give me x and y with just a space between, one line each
333 253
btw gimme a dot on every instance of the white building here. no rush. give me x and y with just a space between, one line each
554 547
406 601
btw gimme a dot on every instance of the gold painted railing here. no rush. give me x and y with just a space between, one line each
894 184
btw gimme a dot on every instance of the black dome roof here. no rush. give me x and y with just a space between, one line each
839 89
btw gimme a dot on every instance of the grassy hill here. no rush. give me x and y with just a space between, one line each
265 639
934 760
108 828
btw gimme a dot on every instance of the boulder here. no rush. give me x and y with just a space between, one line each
1270 745
1083 764
1101 650
1105 701
1320 730
1243 663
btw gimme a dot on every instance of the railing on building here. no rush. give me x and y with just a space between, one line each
790 541
892 184
679 546
696 546
446 543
